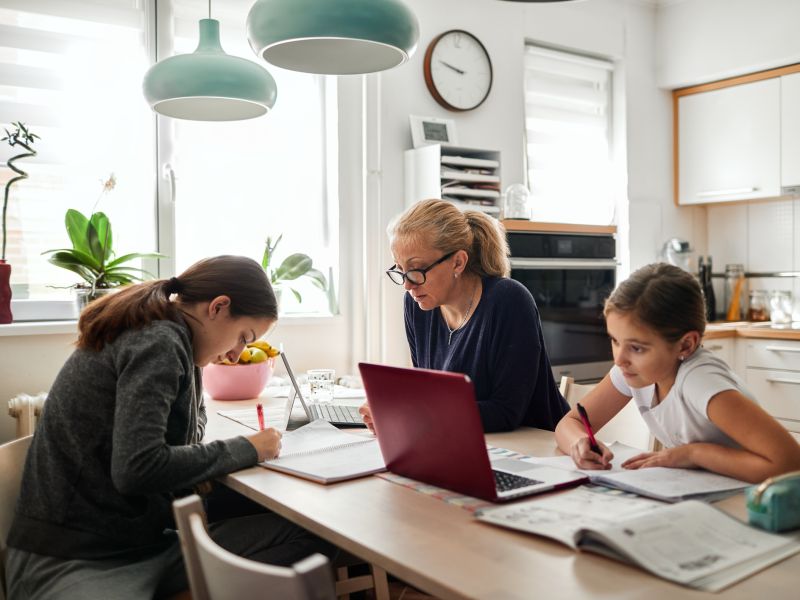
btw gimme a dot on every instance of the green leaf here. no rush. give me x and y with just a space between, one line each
75 257
318 279
293 267
297 295
77 225
102 226
128 257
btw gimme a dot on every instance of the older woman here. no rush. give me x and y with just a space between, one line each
463 314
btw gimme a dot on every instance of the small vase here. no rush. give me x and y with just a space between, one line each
83 296
5 293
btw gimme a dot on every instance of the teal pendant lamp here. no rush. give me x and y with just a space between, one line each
209 85
333 37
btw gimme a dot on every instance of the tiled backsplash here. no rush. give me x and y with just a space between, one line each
763 236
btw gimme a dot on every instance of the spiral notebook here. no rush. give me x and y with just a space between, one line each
322 453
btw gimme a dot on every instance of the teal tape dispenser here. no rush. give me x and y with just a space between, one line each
774 504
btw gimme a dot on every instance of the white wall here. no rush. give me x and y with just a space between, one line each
705 40
622 30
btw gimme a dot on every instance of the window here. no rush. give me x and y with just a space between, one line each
73 74
568 135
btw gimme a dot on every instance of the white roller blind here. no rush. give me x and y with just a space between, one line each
71 70
568 136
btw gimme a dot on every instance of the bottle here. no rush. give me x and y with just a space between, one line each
708 289
734 292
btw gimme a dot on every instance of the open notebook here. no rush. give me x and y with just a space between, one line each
661 483
690 543
322 453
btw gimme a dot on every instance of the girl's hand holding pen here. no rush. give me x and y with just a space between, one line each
585 458
267 443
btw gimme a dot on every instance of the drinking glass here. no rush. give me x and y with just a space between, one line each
320 383
780 303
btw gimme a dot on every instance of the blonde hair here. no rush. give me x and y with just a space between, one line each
448 229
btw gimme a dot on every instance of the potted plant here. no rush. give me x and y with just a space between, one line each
92 256
293 267
20 136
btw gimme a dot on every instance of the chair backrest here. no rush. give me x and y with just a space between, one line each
216 574
12 461
626 427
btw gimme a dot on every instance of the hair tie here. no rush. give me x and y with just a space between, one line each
174 286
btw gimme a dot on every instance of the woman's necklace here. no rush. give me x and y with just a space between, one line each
464 320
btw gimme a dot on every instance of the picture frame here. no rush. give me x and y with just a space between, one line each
432 130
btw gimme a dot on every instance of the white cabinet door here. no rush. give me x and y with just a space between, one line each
722 347
790 130
729 143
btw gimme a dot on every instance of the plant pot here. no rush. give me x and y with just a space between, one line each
84 296
5 293
237 382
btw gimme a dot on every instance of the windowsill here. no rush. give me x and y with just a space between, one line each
71 326
39 328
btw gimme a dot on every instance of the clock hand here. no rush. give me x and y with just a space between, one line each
449 66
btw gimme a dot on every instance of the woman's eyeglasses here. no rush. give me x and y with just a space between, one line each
414 276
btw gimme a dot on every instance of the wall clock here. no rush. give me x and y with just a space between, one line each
458 71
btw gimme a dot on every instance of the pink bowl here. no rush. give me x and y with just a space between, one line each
237 382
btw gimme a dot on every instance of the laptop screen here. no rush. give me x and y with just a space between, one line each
295 392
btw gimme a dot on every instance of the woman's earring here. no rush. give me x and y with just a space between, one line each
455 275
681 358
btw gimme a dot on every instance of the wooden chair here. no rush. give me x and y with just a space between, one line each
12 461
626 427
216 574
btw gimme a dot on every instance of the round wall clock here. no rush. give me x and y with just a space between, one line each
458 71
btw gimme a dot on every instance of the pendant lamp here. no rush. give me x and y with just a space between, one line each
333 37
209 85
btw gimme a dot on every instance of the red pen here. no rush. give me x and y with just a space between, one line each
260 413
585 418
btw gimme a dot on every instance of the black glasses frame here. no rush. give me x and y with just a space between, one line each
393 271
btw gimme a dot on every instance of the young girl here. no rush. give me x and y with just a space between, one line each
120 438
691 400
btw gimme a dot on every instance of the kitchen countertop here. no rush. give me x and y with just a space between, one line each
715 331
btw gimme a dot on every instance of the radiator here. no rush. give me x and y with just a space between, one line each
26 410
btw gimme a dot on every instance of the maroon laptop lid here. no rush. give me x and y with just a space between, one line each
429 427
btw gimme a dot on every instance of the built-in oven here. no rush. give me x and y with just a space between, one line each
570 275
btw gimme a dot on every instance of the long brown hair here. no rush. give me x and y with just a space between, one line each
240 278
663 297
450 230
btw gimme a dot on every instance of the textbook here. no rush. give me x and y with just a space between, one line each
322 453
661 483
691 543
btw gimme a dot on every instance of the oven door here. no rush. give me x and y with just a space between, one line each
570 294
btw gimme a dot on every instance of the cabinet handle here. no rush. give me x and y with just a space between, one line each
714 347
781 380
782 349
709 193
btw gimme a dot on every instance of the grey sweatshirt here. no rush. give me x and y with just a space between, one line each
119 438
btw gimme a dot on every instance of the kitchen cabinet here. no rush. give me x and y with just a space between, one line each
773 376
729 143
790 132
724 348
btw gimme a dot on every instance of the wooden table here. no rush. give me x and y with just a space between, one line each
441 549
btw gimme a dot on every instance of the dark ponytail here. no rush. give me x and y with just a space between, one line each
241 279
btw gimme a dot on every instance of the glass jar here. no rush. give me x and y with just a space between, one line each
734 292
780 304
758 306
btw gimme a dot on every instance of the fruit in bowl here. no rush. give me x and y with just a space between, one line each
243 379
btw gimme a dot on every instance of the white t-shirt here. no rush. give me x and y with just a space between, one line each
682 418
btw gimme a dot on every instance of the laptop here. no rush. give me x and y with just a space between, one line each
336 414
429 429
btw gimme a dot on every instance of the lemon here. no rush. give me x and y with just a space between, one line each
257 355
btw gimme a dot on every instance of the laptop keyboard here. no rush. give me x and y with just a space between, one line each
336 413
505 482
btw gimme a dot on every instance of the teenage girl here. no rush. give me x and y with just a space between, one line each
692 402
